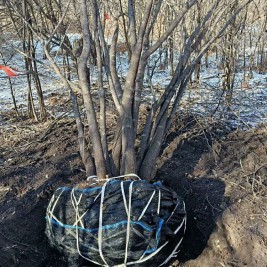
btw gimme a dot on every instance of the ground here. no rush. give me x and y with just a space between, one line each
221 173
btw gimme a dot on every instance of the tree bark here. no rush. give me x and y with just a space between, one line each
88 103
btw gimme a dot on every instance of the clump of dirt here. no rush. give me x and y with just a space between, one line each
220 173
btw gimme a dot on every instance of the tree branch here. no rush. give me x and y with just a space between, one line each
132 22
171 28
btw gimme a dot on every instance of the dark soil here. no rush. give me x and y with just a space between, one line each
220 174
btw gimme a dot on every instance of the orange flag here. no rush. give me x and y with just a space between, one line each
106 16
9 72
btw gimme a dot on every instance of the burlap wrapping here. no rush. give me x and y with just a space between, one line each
128 222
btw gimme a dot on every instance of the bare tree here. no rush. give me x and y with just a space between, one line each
129 158
136 144
22 27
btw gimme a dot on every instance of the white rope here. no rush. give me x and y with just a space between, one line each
52 210
91 177
116 177
148 203
177 246
173 253
183 222
78 248
50 204
100 229
99 194
78 219
124 199
185 218
49 213
158 211
76 208
143 259
128 222
180 226
172 212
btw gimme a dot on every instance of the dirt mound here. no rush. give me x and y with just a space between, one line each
226 194
240 238
221 175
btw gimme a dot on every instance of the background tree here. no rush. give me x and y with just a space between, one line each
22 26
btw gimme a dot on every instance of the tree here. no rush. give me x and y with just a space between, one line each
23 27
126 157
136 144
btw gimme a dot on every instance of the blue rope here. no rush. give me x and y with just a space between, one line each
113 226
148 251
84 190
106 227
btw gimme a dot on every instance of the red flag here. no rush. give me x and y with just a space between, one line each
106 16
9 72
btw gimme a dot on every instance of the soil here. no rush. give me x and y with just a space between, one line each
220 173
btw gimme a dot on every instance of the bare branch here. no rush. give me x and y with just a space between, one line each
171 28
132 22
